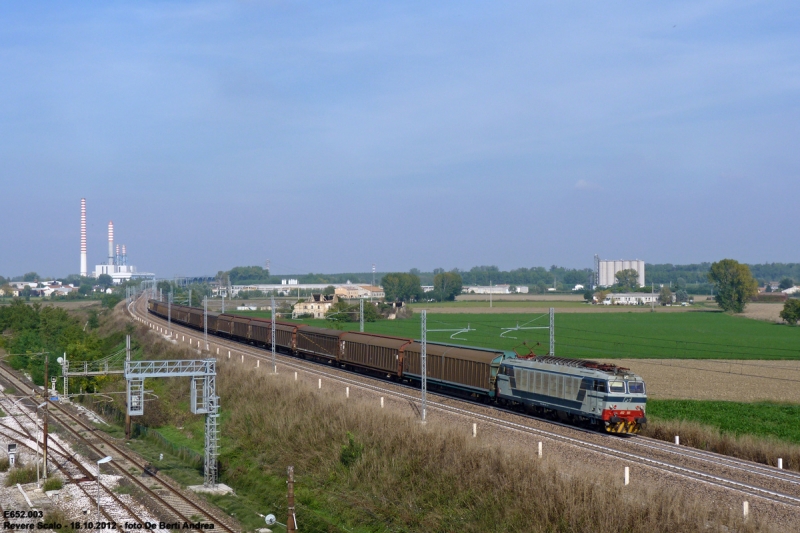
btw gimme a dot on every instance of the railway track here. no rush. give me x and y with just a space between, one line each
114 508
746 479
165 498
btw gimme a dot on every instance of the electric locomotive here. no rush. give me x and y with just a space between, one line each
603 396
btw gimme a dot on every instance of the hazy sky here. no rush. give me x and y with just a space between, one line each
327 136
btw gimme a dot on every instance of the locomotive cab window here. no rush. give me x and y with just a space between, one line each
636 387
600 386
617 386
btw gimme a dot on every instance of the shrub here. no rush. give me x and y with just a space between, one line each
23 475
791 311
351 452
53 483
4 464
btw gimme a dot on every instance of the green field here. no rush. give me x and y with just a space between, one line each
702 335
762 419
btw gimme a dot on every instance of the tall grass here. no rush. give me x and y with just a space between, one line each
368 469
710 438
381 470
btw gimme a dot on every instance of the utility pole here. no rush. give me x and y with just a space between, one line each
552 331
291 521
373 284
490 294
424 362
223 302
190 297
272 342
44 424
127 411
361 315
169 313
205 320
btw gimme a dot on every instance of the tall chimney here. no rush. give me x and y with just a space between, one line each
83 237
124 256
110 242
117 257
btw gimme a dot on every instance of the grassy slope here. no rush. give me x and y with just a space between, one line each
762 419
699 335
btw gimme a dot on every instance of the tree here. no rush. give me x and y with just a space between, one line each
329 290
447 285
665 296
588 295
786 283
682 296
734 283
791 311
105 281
30 276
401 287
627 279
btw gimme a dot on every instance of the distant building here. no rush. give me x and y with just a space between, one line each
353 292
493 289
631 298
791 290
316 306
607 271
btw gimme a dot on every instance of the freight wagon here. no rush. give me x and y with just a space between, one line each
602 396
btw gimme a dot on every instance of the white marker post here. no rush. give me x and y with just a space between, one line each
627 476
474 430
381 402
347 392
540 450
677 440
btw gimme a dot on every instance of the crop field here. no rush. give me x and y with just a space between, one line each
740 380
762 419
703 335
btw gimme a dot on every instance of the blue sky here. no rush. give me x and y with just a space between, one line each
327 136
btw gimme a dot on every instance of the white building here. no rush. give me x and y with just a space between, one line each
608 271
630 298
492 289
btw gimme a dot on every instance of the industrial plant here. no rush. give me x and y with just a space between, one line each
116 264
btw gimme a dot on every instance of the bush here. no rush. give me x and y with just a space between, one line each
791 311
21 475
351 452
4 464
53 483
111 300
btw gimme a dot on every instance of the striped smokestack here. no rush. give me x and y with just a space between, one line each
124 255
110 242
117 258
83 237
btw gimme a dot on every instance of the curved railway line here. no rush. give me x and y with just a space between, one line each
166 499
742 480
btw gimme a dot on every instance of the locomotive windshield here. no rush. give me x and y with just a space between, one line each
636 387
617 386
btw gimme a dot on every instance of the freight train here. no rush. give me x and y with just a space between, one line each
601 396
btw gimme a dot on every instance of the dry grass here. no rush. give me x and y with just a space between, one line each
765 451
764 311
400 476
431 478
